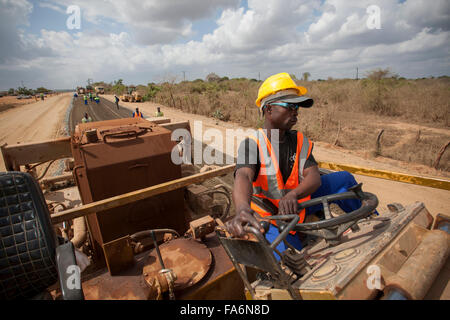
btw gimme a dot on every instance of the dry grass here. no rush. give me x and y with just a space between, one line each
357 109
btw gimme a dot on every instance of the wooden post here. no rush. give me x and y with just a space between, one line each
441 152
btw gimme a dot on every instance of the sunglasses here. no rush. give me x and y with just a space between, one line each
290 106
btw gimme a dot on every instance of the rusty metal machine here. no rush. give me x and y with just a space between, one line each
396 255
118 156
146 228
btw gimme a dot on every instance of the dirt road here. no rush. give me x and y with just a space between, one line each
37 121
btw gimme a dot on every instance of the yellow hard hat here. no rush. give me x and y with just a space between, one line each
278 85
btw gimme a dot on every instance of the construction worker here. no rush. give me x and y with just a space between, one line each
75 94
159 113
137 114
85 99
90 96
42 96
117 101
86 118
97 100
287 173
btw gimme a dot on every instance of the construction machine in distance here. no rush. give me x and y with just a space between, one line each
131 95
125 97
154 229
99 90
136 96
90 89
81 90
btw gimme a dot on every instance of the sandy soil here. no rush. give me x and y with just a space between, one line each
8 102
36 121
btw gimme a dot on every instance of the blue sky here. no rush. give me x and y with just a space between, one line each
151 40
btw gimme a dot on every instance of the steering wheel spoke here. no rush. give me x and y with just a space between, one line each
331 228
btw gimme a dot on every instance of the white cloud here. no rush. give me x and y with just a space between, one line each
52 7
325 39
151 21
13 17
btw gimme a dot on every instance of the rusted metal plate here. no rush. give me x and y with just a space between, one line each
34 152
190 260
418 273
118 255
130 154
128 285
201 227
221 282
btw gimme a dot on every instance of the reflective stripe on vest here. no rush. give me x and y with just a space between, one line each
137 115
269 184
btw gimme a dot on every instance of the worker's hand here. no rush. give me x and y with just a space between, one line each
236 226
288 204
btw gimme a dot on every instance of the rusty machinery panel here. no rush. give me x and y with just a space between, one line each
114 157
387 243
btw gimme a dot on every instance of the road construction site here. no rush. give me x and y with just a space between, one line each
104 110
57 118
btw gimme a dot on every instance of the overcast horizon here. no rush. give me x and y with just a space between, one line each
153 41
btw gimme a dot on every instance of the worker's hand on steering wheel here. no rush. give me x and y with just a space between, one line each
243 216
288 204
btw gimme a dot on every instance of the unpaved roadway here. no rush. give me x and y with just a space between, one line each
37 121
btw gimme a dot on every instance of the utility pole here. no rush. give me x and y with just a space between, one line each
356 73
184 75
259 76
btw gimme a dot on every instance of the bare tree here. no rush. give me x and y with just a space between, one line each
306 76
212 77
379 74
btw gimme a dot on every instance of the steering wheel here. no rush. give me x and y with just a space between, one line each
331 228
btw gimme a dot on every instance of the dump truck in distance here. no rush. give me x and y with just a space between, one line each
99 90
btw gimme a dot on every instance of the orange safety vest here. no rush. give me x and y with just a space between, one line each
137 115
269 184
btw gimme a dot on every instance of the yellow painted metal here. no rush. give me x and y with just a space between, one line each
280 294
388 175
317 295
